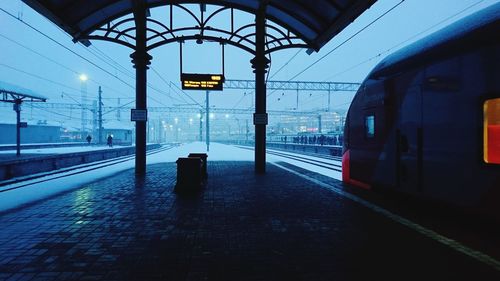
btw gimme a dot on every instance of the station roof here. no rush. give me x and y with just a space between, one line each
10 93
315 22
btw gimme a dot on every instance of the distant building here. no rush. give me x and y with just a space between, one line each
31 134
71 135
121 134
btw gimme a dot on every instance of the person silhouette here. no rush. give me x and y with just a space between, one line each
110 140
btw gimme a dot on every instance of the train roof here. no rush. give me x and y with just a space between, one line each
482 27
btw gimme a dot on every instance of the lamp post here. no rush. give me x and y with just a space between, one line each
228 127
207 122
83 87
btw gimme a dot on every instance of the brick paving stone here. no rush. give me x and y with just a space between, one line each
240 226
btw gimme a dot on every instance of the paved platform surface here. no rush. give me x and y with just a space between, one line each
242 226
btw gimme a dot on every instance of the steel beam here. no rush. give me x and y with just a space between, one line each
260 64
293 85
141 59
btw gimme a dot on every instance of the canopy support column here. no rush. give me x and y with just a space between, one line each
17 109
260 64
141 59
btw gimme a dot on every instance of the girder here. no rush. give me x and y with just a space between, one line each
293 85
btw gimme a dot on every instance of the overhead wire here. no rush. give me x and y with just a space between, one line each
164 80
286 63
405 41
63 46
341 44
346 40
45 110
55 62
75 53
38 76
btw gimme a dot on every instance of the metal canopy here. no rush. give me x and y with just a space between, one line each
13 94
17 95
313 22
277 25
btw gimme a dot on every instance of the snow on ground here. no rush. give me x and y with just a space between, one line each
218 152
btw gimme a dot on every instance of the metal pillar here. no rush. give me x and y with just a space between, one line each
207 122
100 116
83 116
160 132
118 112
17 109
260 63
297 103
94 119
141 59
247 131
329 100
319 124
201 125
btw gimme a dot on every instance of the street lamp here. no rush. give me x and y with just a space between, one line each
83 86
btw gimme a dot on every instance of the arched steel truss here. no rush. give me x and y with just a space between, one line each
159 33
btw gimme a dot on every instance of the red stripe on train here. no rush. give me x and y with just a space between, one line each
346 172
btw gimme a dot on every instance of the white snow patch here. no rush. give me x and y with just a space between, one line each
218 152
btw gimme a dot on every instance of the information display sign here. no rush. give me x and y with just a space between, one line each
260 118
138 115
205 82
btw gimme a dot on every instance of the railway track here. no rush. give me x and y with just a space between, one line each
65 172
334 164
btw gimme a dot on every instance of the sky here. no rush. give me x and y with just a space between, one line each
33 61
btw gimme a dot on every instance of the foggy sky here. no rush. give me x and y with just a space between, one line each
402 26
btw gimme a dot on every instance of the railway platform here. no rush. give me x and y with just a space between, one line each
289 224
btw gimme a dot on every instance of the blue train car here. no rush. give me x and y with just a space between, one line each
426 121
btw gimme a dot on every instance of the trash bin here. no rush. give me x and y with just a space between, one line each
189 174
203 157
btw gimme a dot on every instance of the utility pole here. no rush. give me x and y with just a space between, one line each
100 116
319 124
94 118
118 113
329 99
17 109
160 132
297 106
248 131
207 122
201 125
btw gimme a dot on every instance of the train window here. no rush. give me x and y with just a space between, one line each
370 126
491 132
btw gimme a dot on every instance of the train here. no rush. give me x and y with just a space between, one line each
425 122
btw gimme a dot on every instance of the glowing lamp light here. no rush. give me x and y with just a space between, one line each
83 77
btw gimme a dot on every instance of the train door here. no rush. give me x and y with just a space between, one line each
409 141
